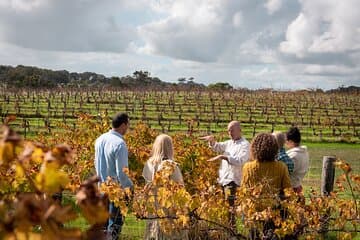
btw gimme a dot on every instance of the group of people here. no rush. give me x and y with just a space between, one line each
241 163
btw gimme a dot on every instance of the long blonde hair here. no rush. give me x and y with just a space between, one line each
162 149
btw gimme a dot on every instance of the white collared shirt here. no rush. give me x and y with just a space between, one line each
238 153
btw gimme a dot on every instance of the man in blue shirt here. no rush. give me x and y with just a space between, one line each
111 156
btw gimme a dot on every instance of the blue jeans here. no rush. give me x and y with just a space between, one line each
115 222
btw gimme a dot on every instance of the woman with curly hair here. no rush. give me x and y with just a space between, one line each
266 177
264 168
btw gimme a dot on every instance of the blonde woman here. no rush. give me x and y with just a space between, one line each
162 156
162 152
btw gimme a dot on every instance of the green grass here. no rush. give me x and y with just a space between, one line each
132 229
347 152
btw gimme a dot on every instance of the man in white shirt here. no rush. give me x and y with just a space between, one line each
233 155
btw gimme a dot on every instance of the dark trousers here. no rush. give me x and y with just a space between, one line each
115 222
229 191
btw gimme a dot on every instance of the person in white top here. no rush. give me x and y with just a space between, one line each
162 152
162 156
233 155
300 156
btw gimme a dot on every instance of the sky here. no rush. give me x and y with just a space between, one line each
280 44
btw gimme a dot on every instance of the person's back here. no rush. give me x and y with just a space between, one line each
161 161
149 170
273 172
264 168
268 177
111 157
107 148
300 157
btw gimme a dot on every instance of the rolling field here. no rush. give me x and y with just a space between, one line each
321 117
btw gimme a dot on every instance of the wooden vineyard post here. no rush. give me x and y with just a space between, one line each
25 124
328 175
327 186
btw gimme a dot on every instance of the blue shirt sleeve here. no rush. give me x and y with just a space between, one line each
121 162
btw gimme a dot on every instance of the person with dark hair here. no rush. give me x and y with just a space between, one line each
299 155
111 156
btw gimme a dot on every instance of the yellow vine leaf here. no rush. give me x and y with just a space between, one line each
183 220
37 155
51 179
17 235
19 171
7 153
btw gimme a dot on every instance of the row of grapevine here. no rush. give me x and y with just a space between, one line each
321 116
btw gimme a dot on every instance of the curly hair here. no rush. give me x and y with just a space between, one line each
264 147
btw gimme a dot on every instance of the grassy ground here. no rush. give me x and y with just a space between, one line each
132 229
347 152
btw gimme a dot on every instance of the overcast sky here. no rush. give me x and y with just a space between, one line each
283 44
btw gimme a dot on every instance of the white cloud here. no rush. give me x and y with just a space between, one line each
78 26
323 42
22 5
216 30
298 35
248 43
330 70
237 19
273 5
116 64
332 31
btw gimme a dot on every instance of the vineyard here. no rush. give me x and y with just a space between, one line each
331 117
63 125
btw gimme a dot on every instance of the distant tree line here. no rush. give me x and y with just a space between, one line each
34 77
343 89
